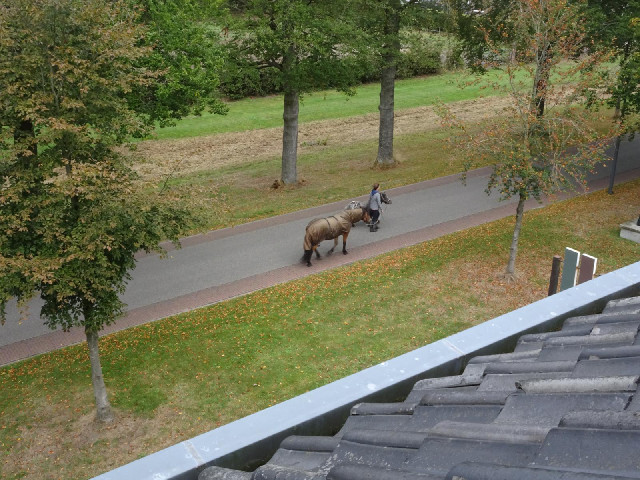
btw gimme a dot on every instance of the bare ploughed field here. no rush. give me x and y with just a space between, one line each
189 155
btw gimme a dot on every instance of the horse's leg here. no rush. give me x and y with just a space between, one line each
307 257
307 246
335 243
315 249
344 242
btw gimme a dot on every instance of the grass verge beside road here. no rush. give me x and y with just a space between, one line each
175 378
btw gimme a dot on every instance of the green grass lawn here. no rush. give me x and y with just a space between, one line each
178 377
266 112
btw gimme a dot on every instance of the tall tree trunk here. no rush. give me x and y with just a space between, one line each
621 108
541 81
513 251
103 408
387 89
614 165
290 137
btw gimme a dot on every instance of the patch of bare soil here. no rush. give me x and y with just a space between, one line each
165 157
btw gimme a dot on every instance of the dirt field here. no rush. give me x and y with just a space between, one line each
162 157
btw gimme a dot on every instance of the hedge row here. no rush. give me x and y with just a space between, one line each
421 54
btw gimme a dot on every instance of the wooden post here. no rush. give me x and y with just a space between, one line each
555 275
569 268
587 268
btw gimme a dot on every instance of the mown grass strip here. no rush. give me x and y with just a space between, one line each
266 112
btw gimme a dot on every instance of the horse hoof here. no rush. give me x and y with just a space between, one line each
308 264
345 252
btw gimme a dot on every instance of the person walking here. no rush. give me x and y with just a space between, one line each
375 205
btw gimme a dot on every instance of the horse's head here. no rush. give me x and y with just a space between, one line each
356 214
384 198
366 217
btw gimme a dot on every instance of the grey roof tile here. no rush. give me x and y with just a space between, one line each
364 472
219 473
622 420
504 357
607 367
615 327
486 471
598 450
464 398
600 318
402 408
634 406
376 422
556 353
549 409
498 432
628 383
629 303
305 443
439 454
592 353
523 347
565 332
277 472
350 453
447 382
299 460
426 417
508 382
622 338
418 391
380 438
529 367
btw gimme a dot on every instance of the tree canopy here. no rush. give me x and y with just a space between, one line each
301 44
73 216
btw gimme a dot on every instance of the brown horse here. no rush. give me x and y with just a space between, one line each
331 228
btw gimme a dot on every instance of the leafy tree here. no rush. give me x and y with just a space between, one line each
474 22
186 48
529 146
614 25
72 214
301 42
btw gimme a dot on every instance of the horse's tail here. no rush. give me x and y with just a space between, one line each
307 244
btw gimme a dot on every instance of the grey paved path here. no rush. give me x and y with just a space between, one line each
227 263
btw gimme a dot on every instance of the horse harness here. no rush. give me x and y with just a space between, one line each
331 231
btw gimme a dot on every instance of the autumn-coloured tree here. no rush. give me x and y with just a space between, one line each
542 141
72 216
